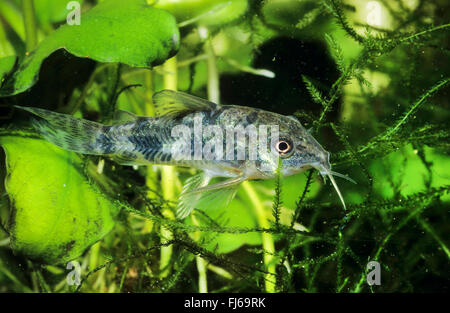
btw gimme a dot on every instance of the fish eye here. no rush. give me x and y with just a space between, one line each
284 147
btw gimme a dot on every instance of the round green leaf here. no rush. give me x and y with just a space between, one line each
56 212
129 32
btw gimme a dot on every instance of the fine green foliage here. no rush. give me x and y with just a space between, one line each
277 199
372 89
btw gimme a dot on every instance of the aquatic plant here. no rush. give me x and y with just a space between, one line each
370 82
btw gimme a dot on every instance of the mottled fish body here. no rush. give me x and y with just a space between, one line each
133 140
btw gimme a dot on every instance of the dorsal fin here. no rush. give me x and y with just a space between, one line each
122 117
174 104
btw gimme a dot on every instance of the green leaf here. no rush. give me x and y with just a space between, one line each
129 32
6 66
56 212
407 174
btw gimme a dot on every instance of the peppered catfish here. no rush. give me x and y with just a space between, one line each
160 140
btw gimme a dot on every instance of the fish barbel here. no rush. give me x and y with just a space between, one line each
135 140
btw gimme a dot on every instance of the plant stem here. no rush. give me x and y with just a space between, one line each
267 239
5 47
13 18
168 175
425 32
124 275
149 89
94 256
213 75
72 109
202 278
201 263
220 271
149 110
416 105
44 286
213 95
435 236
29 20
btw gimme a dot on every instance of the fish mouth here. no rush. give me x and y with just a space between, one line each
327 172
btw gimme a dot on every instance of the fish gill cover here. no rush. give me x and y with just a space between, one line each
368 79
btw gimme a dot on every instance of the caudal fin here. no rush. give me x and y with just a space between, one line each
71 133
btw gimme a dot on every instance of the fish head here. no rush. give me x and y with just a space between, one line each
298 151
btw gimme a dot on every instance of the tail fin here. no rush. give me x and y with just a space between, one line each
72 133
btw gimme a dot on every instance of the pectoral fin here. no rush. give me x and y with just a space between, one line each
229 183
197 194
